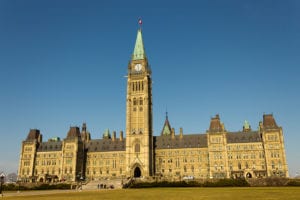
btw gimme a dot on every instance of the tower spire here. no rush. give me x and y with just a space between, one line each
139 50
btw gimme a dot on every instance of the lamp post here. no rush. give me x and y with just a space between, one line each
81 179
18 182
2 176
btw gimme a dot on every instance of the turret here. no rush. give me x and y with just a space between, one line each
216 125
106 134
246 127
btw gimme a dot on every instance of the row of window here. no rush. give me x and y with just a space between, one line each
244 147
184 152
137 86
239 156
47 162
134 109
101 172
113 155
272 137
47 155
67 170
104 162
28 149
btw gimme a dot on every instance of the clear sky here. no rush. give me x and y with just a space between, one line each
63 62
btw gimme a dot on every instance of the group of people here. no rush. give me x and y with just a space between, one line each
104 186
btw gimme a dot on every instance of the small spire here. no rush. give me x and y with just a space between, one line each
167 127
166 113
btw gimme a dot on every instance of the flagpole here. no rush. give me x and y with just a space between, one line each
140 22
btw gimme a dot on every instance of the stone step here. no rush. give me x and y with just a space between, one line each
103 184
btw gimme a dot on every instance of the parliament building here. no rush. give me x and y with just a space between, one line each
216 153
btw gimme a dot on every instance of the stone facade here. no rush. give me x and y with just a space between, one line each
217 153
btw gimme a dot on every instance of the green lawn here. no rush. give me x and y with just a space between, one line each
176 193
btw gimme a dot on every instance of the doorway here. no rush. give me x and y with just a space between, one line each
137 172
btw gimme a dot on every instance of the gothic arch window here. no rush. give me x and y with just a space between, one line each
239 166
141 101
273 165
137 148
134 101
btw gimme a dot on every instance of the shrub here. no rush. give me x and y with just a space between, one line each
227 183
293 183
219 183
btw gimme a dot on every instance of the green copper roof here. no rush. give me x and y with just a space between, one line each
139 51
106 134
166 130
167 127
246 125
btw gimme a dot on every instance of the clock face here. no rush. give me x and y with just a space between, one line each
138 67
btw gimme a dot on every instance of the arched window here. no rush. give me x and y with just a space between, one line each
137 148
273 165
141 101
239 166
134 101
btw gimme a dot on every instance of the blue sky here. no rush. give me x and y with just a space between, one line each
63 63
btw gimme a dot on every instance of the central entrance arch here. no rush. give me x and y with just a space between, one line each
137 172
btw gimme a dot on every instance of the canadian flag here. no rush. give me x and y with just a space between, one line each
140 21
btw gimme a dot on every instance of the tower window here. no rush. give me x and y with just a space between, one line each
141 101
134 102
137 148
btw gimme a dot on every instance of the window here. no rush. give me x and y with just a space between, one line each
247 166
273 165
279 165
137 148
141 101
239 166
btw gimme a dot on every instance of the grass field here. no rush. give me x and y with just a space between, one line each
266 193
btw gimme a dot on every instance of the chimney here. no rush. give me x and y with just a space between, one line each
114 136
173 133
121 135
180 133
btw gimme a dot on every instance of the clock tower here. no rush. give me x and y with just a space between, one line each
139 139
